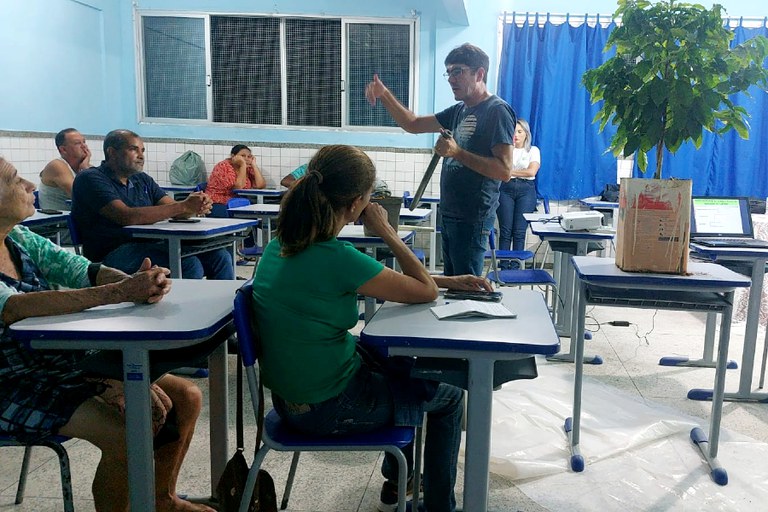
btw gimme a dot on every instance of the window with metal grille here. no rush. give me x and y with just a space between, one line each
267 70
174 67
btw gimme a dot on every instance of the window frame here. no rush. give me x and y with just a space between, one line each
140 66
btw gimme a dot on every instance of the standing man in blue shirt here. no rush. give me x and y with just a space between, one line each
118 193
476 159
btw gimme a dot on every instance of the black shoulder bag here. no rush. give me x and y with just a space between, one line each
231 486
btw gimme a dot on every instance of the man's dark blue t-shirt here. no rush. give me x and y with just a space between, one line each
95 188
465 194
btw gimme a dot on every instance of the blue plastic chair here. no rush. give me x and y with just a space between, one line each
74 235
505 255
407 199
37 199
279 437
253 251
522 277
55 444
200 187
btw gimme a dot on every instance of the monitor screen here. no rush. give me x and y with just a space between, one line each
720 216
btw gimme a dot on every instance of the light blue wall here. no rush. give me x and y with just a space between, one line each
72 62
58 65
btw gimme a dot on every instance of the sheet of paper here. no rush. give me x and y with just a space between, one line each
472 308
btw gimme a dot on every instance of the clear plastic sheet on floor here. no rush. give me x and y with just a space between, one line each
638 454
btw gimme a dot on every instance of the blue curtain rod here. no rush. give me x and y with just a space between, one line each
607 18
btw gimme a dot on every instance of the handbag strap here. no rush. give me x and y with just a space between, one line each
239 407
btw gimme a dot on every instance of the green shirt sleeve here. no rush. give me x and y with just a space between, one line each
57 265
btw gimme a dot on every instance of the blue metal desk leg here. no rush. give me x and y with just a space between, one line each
570 356
573 424
707 360
219 417
559 275
433 237
708 447
138 421
478 448
174 257
745 394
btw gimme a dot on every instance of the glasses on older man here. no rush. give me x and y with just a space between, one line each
455 72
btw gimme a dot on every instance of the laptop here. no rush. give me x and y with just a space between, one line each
723 222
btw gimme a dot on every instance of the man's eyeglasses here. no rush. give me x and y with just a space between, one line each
454 72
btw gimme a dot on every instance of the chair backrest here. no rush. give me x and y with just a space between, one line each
247 337
74 234
200 187
407 199
237 202
37 199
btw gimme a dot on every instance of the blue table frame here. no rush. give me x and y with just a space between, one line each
178 192
41 222
594 203
756 259
193 312
216 233
708 287
434 203
259 193
267 212
354 234
485 344
563 273
264 212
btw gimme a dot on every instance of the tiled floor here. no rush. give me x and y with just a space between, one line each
350 482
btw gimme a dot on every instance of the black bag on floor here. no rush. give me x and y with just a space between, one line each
231 486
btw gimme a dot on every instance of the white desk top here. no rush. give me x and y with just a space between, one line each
354 233
554 231
177 188
539 217
258 191
731 253
272 210
414 325
206 228
416 214
256 210
38 219
194 309
428 199
701 276
597 204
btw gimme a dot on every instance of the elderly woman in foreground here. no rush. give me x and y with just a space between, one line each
43 393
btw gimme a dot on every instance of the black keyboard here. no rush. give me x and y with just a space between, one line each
731 242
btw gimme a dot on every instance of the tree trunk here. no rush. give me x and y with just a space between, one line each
659 159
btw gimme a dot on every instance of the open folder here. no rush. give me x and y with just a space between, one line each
471 308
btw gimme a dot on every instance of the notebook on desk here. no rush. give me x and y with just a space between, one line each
723 222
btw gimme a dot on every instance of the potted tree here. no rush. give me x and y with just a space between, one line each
671 78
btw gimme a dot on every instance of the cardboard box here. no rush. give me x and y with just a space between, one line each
653 228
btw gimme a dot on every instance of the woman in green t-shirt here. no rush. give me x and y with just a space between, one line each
305 293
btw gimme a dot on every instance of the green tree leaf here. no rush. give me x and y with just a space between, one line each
671 77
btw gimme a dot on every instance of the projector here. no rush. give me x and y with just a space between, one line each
579 221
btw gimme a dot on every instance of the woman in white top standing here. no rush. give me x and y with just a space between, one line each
518 195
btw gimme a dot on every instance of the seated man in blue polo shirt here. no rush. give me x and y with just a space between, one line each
118 193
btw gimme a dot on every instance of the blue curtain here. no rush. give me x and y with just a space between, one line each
540 76
727 165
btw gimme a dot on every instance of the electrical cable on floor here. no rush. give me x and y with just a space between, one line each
588 316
